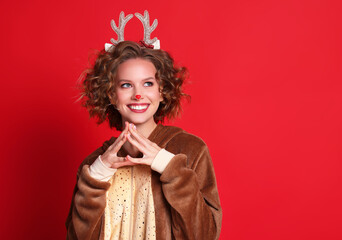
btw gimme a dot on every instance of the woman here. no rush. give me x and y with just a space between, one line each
153 181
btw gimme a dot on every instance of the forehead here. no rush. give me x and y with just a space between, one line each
136 69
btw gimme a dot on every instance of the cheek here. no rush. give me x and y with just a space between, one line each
120 96
156 95
156 92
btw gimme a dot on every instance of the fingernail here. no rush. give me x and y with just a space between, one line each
135 127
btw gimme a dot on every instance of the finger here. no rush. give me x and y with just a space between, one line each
122 137
125 131
134 160
126 126
145 142
123 164
145 161
135 143
118 160
140 138
119 144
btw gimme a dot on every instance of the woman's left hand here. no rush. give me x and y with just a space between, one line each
148 148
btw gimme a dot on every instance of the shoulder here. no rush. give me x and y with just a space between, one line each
184 142
192 146
188 139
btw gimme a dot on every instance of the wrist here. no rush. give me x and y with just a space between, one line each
100 171
105 161
161 161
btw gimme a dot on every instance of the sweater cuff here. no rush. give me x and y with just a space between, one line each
100 171
161 161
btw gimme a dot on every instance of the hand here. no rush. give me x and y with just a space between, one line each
110 157
148 148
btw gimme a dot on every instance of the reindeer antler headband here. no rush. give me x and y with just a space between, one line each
145 20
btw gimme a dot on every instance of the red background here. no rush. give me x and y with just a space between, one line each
265 80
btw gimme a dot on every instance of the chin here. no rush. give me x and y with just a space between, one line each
138 121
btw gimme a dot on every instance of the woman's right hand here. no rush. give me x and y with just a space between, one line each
110 157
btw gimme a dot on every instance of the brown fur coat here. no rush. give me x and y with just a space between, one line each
186 199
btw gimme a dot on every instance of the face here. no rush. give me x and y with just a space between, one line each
136 77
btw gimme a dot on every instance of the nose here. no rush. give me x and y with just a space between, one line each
137 95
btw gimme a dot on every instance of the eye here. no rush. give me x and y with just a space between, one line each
125 85
148 84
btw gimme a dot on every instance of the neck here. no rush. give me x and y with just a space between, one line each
146 129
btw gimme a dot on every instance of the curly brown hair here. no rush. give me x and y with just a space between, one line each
98 86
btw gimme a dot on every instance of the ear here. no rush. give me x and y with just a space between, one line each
161 98
112 98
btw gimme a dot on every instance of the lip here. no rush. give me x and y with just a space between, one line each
138 107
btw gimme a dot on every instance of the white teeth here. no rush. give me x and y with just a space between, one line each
138 107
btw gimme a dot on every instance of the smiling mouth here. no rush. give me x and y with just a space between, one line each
138 108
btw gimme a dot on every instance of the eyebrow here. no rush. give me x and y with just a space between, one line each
145 79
